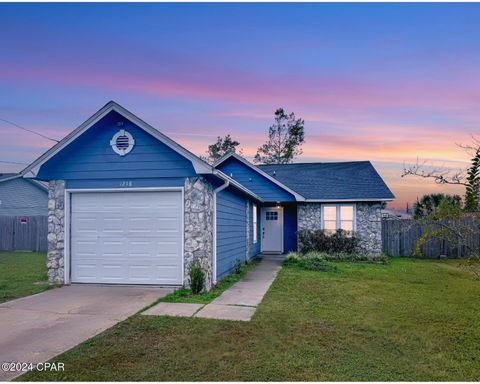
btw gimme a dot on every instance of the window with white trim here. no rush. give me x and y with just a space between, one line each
254 217
336 217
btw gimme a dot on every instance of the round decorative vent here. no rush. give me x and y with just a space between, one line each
122 142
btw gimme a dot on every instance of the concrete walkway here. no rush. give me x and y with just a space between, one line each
239 302
38 327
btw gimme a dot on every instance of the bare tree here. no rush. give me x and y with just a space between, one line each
441 175
469 178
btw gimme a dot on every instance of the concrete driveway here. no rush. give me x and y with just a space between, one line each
36 328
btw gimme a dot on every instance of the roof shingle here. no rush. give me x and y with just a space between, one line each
331 181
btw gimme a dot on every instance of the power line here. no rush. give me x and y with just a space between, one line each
28 130
12 162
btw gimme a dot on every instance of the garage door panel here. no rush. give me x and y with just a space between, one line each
167 248
126 237
166 272
86 271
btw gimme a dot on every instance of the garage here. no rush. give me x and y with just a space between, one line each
128 237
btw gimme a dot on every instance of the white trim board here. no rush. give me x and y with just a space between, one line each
199 165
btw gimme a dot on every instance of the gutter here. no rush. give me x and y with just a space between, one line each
236 184
222 187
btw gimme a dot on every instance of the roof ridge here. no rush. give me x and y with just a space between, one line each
316 162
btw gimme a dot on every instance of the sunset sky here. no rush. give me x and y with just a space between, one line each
380 82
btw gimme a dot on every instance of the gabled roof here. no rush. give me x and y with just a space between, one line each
12 176
229 155
199 165
323 182
9 176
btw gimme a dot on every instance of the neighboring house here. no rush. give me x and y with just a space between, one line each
396 214
22 197
128 205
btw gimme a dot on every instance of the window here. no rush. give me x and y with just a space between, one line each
271 215
338 217
346 217
254 216
330 218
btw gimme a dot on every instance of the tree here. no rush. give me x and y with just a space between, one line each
469 178
285 138
472 189
429 204
221 147
456 228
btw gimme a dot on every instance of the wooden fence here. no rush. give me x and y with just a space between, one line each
400 236
23 233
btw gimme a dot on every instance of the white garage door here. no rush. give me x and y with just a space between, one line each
126 237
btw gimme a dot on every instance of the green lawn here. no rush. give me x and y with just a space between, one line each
22 274
184 295
415 320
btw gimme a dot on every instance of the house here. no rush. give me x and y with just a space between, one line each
396 214
22 197
128 205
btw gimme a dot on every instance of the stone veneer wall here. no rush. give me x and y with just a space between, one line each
309 216
56 232
199 228
368 223
369 227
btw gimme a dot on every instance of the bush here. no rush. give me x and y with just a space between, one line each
295 258
197 277
317 241
311 262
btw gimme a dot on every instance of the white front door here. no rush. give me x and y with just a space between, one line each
126 237
272 229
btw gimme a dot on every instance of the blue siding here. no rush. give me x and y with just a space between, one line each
289 228
255 248
134 183
91 157
255 182
231 230
21 197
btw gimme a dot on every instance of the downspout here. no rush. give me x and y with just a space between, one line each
215 191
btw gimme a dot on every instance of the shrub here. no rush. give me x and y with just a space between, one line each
310 261
318 241
197 277
295 258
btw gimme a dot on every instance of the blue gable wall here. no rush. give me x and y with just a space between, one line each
255 182
90 157
231 230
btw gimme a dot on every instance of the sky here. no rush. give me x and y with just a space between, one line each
388 83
